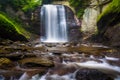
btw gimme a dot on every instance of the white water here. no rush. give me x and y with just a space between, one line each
101 66
57 77
89 64
54 23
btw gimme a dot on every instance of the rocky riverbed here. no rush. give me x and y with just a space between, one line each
59 61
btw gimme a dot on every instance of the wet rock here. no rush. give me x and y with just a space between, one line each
13 75
112 36
61 69
36 62
2 77
5 42
114 62
6 63
91 74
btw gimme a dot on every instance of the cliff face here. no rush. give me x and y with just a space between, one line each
89 20
101 18
90 16
109 23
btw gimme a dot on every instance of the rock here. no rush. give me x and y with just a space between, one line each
109 24
113 35
2 77
36 62
5 42
61 69
89 26
91 74
73 25
6 63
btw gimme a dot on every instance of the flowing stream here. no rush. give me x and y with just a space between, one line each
100 64
107 64
54 29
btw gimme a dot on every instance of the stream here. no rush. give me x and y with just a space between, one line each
82 62
59 61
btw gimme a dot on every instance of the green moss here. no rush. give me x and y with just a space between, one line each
25 5
7 25
79 6
31 5
108 18
113 7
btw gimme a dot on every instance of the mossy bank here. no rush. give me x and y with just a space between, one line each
109 23
9 29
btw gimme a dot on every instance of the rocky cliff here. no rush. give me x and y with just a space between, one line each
101 19
109 23
90 16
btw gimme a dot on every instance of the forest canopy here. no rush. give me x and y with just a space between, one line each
24 5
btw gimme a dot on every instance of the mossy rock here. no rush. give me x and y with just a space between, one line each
9 30
36 62
108 19
6 63
110 16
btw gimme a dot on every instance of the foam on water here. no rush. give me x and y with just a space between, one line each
57 77
111 58
117 78
99 66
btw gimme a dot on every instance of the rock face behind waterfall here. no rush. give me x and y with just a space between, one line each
73 25
72 22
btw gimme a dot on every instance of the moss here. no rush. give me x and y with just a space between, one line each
108 18
31 5
79 6
113 7
9 28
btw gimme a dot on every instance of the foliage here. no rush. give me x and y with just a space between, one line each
9 26
31 4
25 5
79 6
46 1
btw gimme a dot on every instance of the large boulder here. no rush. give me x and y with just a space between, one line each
73 25
91 74
90 16
10 30
109 24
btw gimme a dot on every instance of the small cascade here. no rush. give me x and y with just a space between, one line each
70 70
53 25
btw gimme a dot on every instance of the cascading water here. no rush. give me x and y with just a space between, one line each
54 26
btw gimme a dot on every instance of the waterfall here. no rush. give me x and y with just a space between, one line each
53 25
